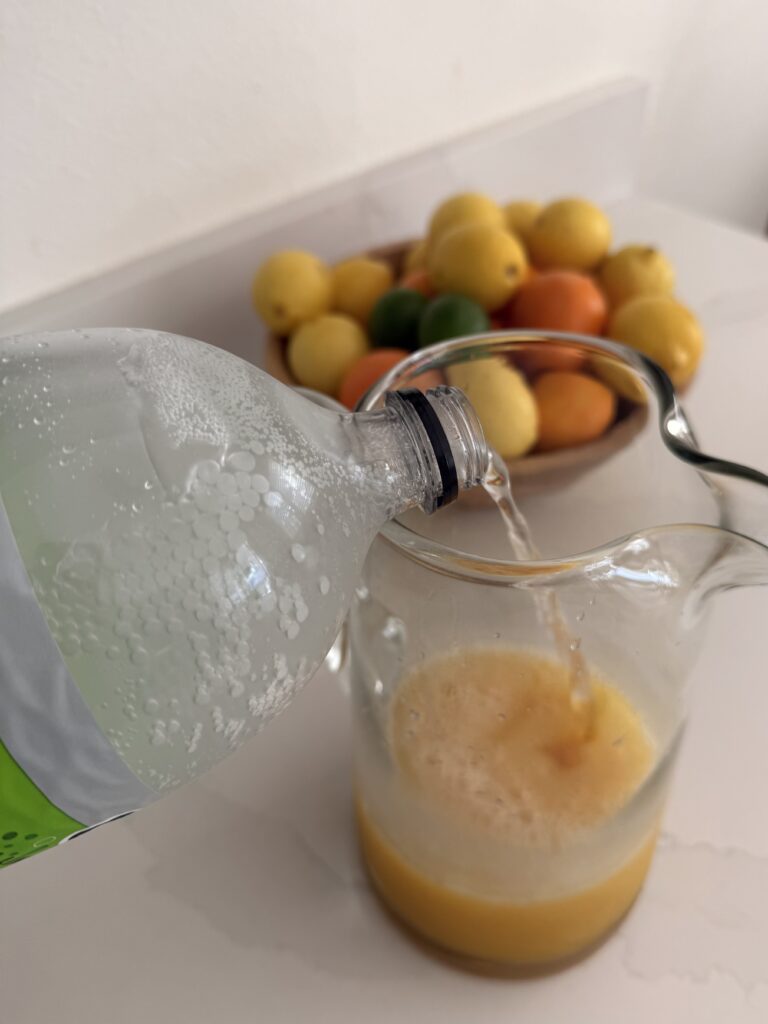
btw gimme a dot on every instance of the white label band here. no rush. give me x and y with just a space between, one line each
45 724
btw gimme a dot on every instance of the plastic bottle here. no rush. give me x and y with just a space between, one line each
180 536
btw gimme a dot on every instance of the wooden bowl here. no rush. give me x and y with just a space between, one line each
537 471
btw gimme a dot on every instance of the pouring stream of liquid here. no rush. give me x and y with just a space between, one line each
497 485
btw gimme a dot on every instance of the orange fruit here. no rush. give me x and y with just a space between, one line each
363 374
573 409
418 281
558 300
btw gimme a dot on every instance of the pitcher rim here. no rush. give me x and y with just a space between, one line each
674 428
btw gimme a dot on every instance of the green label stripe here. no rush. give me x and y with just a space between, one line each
29 822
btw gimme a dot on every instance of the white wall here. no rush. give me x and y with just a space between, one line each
129 126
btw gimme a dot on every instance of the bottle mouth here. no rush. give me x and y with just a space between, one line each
455 448
652 387
415 403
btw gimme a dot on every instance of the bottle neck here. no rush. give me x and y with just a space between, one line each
424 448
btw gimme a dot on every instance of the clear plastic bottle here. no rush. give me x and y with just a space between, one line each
180 536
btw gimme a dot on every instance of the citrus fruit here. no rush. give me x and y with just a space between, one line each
482 261
416 257
664 330
504 403
557 300
322 350
418 281
636 270
569 234
394 322
451 316
358 284
364 373
290 288
520 215
465 208
573 409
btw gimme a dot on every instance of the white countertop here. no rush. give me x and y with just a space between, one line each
242 898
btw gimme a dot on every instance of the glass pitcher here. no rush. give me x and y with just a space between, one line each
636 532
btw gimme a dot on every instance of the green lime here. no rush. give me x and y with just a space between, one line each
451 316
394 322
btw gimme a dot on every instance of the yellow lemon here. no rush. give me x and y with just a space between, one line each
504 403
290 288
416 257
661 328
358 284
520 215
321 351
636 270
465 208
569 234
482 261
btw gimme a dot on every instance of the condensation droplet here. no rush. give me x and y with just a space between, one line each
298 553
226 483
228 521
70 644
91 643
243 461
